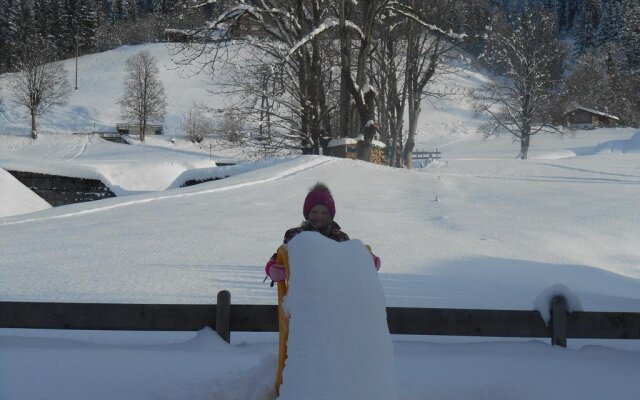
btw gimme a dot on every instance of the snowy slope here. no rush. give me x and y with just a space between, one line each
123 168
501 231
93 107
16 199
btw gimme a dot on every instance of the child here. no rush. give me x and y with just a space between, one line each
319 210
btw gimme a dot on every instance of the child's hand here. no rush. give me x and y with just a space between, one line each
276 272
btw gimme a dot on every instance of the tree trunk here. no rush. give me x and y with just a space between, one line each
143 128
524 146
414 115
345 62
367 125
34 129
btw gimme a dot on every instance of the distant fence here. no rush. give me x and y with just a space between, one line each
225 318
426 155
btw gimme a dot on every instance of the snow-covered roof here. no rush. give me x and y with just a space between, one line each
595 112
341 142
345 141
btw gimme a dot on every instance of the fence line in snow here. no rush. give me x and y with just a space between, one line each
225 318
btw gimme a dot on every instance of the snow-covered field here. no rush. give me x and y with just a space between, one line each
93 107
479 229
501 232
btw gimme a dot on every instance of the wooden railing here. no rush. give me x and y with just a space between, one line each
225 318
426 155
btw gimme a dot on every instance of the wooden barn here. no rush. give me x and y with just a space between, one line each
586 118
343 148
350 148
134 129
247 25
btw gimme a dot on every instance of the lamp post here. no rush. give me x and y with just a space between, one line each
76 88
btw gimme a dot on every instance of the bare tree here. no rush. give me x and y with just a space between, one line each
293 84
282 85
366 15
408 57
144 99
197 125
426 51
39 84
388 75
527 57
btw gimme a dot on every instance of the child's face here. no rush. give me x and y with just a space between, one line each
319 215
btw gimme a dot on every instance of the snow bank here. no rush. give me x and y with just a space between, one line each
15 198
204 367
125 169
620 146
339 342
542 303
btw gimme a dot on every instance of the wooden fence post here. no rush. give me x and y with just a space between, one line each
559 321
223 315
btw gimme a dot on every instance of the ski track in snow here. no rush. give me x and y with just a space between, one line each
82 147
282 175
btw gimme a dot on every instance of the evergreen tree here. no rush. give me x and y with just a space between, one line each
561 14
6 33
57 19
610 23
586 25
87 24
20 29
43 19
630 33
571 11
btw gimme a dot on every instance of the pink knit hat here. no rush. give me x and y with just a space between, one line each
319 194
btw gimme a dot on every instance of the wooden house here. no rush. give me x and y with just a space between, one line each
343 148
352 148
134 129
585 118
248 25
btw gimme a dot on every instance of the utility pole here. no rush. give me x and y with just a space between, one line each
76 88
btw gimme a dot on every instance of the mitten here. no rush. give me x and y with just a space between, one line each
271 261
377 263
276 272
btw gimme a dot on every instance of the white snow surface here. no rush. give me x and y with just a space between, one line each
334 297
502 232
16 199
125 169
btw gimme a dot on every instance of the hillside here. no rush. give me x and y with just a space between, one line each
93 107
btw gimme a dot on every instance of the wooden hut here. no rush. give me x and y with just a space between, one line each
585 118
343 148
134 129
352 148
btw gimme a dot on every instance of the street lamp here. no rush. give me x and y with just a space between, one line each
76 88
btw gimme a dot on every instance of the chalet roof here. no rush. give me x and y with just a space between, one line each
352 141
341 141
594 112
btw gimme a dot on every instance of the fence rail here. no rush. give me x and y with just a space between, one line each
426 155
225 318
